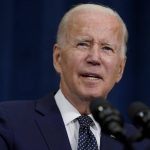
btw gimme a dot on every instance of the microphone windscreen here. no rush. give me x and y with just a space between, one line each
136 108
108 118
98 102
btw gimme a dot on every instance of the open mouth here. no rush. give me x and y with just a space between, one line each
91 76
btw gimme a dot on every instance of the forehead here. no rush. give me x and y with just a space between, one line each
95 23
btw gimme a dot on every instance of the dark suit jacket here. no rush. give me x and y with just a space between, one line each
38 125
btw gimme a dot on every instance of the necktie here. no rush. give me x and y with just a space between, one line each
87 140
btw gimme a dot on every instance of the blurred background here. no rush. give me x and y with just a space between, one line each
28 32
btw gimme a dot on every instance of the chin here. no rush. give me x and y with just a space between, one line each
92 93
93 96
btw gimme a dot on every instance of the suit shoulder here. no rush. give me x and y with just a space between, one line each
21 107
17 107
16 104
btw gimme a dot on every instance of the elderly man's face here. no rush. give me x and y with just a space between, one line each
91 61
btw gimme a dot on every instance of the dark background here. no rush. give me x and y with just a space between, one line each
28 32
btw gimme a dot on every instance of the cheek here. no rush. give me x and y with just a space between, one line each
69 65
112 68
72 59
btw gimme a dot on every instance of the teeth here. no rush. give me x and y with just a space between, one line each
92 78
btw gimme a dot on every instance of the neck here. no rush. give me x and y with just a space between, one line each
82 105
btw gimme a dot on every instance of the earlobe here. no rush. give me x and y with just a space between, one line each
57 58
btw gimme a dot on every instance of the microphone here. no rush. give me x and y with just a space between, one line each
109 119
139 113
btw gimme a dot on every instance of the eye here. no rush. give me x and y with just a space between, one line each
107 48
83 45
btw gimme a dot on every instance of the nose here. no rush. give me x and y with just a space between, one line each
94 55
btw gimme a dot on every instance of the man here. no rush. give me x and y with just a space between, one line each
90 56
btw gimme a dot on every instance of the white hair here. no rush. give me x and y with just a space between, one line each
62 29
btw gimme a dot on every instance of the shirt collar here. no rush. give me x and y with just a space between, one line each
68 111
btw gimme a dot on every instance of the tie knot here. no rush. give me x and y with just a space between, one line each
85 121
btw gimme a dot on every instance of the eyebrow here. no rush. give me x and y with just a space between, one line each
106 44
90 39
81 38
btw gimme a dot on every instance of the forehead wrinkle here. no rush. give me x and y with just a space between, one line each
104 19
79 24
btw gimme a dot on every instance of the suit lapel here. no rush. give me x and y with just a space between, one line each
52 128
51 125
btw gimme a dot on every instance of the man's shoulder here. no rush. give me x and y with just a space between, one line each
16 104
16 109
24 106
133 132
130 129
22 103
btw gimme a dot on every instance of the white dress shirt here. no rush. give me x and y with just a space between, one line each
69 114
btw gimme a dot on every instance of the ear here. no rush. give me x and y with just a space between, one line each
121 69
57 58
